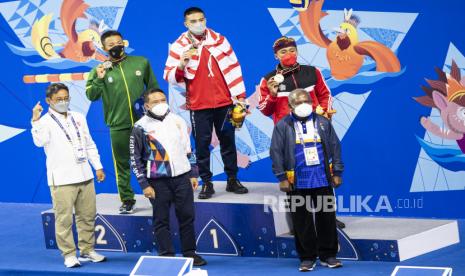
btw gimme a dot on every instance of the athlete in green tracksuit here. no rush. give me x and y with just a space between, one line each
120 84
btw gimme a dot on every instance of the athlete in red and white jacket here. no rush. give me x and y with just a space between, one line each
289 75
204 62
207 67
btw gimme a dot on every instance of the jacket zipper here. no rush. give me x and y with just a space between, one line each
325 154
127 92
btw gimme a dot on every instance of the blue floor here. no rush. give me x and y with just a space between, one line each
22 252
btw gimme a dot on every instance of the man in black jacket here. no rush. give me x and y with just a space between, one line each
302 147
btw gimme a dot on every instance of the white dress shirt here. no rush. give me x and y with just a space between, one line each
62 167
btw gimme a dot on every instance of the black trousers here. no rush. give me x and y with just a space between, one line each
177 190
202 128
315 230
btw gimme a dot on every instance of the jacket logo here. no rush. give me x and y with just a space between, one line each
138 73
110 79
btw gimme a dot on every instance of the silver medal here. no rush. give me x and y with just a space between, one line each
279 78
107 64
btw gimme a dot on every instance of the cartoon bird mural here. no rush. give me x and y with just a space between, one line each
80 47
448 95
345 54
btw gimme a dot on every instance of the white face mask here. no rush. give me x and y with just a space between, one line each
61 107
303 110
160 109
197 28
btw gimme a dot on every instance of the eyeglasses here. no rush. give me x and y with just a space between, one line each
65 99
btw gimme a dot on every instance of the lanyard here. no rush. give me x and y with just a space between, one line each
301 138
291 70
287 70
195 44
64 130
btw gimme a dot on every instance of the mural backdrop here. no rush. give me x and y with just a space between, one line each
398 87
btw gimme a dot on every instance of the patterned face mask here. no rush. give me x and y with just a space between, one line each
116 52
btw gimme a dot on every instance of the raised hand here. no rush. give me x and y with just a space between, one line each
273 87
37 111
186 56
101 71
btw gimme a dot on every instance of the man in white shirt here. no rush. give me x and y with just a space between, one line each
67 143
166 169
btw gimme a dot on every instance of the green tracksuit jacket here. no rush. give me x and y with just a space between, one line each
120 88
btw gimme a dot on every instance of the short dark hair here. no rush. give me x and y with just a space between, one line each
150 91
109 33
53 88
192 10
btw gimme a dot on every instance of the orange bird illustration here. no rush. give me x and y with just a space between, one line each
346 54
80 47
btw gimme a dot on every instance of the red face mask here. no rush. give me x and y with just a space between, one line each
289 59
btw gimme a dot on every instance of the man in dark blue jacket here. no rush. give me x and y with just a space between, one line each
302 147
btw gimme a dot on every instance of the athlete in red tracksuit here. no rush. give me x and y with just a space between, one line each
203 61
274 91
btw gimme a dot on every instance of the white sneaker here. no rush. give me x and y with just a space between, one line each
92 256
72 261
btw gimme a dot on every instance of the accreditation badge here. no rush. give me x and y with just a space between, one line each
311 156
80 154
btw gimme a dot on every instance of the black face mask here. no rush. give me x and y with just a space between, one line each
116 52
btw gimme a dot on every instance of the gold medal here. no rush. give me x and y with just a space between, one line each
193 51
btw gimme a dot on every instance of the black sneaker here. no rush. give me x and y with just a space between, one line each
198 260
331 262
235 186
207 190
340 224
307 265
127 207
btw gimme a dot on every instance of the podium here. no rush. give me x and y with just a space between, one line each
243 225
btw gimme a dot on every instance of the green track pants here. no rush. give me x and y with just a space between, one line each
120 151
